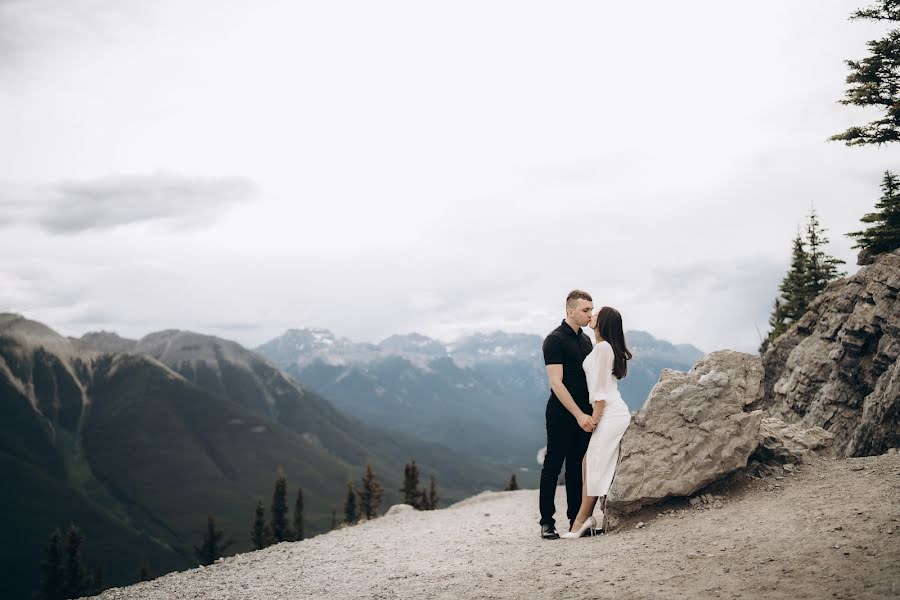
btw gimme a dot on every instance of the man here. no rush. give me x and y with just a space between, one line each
568 414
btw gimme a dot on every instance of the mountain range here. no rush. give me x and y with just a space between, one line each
137 441
482 394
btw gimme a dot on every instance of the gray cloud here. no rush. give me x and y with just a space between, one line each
178 201
716 296
29 28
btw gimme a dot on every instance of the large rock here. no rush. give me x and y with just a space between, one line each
693 430
837 368
789 443
399 509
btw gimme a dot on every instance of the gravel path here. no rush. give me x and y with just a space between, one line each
828 530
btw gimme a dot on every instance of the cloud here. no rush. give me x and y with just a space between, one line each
465 198
30 29
713 303
178 201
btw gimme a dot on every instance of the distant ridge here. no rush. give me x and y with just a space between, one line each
137 441
484 393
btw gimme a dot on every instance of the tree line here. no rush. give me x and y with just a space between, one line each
360 504
873 82
63 571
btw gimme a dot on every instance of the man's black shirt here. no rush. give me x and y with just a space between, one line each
563 346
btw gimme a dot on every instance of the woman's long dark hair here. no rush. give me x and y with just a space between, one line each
609 322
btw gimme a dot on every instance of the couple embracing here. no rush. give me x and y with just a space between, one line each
586 416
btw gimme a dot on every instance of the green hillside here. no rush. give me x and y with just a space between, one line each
138 454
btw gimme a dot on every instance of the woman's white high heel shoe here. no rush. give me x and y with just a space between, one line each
587 528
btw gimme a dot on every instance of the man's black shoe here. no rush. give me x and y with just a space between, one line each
548 532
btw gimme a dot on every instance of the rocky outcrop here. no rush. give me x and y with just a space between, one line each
694 429
837 367
784 443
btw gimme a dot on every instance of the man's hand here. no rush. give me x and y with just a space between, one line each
585 422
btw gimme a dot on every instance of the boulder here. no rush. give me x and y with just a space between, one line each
865 257
837 366
399 509
789 443
693 429
879 424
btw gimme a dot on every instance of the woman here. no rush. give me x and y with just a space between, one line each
604 366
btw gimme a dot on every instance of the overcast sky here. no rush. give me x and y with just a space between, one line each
238 168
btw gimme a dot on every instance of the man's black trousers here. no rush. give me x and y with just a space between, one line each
566 442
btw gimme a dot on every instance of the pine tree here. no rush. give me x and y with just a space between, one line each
76 581
875 80
412 495
430 501
212 546
280 530
821 268
884 235
351 513
811 270
260 535
51 586
777 325
795 288
513 485
370 494
298 515
793 299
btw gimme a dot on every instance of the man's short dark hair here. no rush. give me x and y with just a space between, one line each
576 295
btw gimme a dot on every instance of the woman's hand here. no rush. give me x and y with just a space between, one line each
586 422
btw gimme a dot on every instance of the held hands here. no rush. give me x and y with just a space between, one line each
586 422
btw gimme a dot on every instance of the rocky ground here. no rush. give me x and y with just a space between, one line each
829 529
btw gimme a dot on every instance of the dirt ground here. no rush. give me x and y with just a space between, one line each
827 530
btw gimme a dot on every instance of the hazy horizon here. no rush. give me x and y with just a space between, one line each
252 346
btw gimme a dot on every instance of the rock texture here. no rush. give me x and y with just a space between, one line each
789 443
837 367
693 429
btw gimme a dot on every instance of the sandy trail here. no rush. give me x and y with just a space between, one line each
829 530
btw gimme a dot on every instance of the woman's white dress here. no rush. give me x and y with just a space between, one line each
603 449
